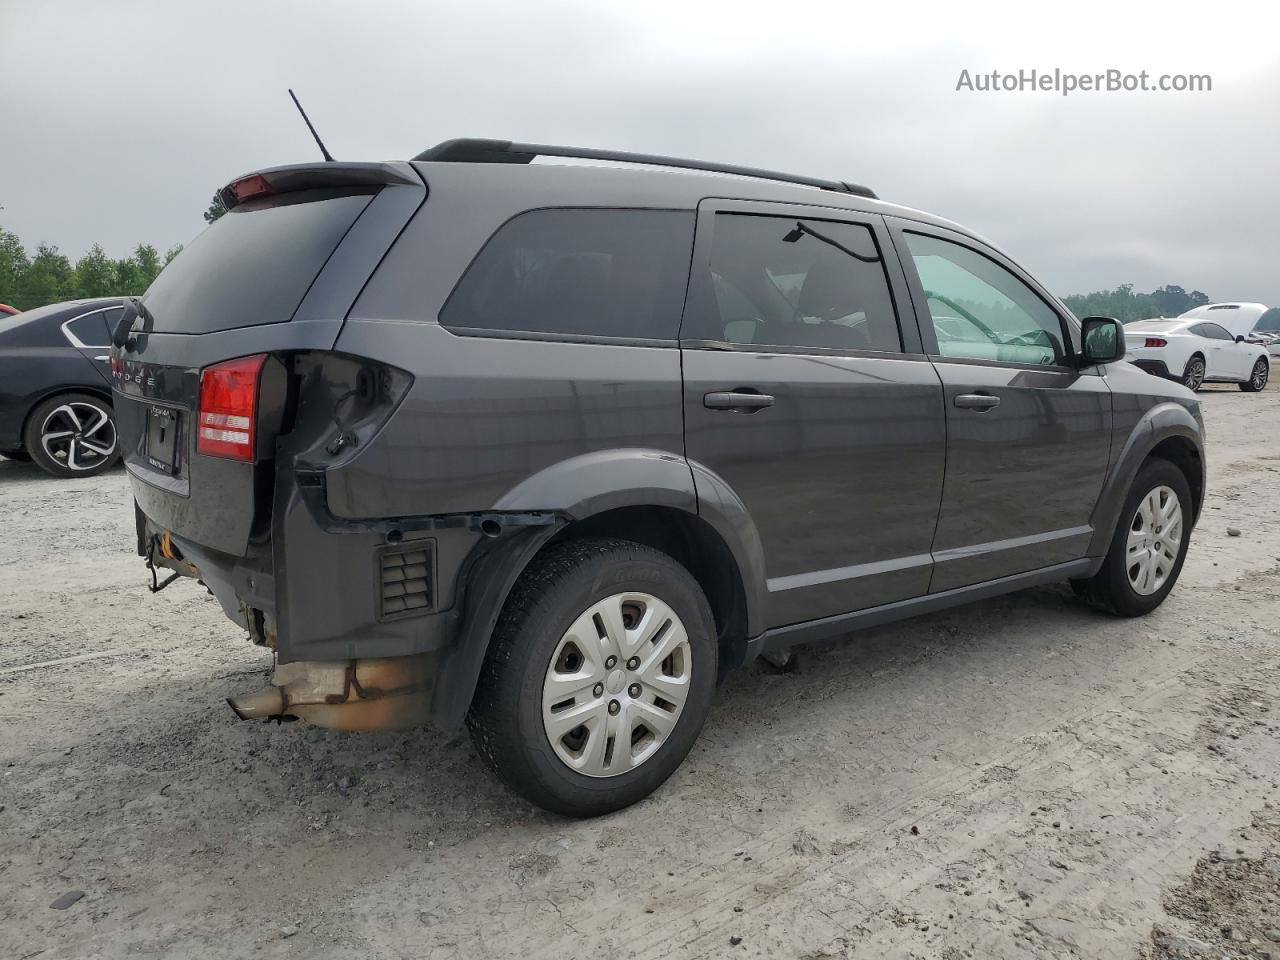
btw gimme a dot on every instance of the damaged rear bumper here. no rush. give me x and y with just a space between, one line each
390 693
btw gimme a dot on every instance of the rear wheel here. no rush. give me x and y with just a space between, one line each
1193 375
72 435
598 678
1149 545
1258 378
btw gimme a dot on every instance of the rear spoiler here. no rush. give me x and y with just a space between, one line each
314 176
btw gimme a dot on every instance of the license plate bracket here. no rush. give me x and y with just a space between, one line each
163 428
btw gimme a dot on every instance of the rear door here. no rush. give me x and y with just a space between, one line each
274 275
1028 432
90 334
807 394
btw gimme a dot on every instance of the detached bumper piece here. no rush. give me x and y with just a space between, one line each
389 693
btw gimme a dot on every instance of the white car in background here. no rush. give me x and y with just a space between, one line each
1238 319
1267 331
1195 352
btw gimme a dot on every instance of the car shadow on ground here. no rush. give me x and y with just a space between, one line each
289 781
16 470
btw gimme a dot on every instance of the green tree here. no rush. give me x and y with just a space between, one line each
171 253
13 265
216 209
125 276
94 274
48 279
147 259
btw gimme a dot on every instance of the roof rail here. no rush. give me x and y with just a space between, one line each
504 151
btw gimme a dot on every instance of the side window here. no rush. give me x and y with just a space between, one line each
1215 332
587 272
91 329
777 281
980 310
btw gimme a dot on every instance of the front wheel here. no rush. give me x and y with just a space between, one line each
1149 545
72 435
598 678
1257 381
1193 375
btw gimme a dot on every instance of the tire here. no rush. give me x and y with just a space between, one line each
64 435
535 639
1257 381
20 455
1113 588
1193 375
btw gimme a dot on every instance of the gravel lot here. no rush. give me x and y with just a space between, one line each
1021 777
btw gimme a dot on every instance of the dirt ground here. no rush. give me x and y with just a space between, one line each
1016 778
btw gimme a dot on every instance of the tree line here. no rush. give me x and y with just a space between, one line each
47 276
1125 305
33 279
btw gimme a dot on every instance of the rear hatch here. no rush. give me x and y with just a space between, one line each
274 276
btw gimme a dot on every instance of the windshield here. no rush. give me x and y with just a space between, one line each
254 264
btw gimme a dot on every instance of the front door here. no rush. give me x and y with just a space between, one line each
807 394
1028 430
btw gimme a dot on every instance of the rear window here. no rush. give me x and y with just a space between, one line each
254 264
91 330
581 272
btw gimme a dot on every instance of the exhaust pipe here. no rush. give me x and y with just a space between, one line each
261 704
388 693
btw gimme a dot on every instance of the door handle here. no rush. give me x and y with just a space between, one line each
104 358
976 401
744 400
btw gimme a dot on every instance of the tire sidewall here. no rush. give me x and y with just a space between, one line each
1155 473
1266 376
34 445
541 771
1186 374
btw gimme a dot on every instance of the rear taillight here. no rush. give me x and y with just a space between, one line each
228 408
1156 342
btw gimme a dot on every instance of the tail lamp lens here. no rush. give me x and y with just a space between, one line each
1156 342
228 408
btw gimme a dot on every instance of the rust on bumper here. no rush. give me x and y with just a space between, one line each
388 693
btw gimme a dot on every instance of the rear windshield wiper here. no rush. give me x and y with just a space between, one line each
133 308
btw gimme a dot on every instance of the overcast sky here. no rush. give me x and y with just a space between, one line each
120 118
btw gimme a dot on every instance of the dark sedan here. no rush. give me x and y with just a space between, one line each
55 387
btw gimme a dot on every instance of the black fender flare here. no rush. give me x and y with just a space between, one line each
573 490
1161 422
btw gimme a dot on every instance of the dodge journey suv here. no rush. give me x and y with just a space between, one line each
549 448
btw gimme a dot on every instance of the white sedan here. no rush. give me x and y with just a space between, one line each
1196 351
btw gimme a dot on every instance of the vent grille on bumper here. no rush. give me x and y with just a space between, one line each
407 581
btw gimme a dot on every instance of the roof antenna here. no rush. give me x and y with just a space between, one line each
319 143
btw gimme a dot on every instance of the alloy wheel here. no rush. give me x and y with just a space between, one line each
1194 377
1259 378
78 435
1155 539
616 684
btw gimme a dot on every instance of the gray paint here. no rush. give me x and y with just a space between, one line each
861 494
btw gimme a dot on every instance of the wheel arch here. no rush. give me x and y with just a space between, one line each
646 496
1168 431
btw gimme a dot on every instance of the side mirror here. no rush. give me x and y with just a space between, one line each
1103 340
1239 338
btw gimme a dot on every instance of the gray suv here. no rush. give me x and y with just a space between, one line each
549 448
